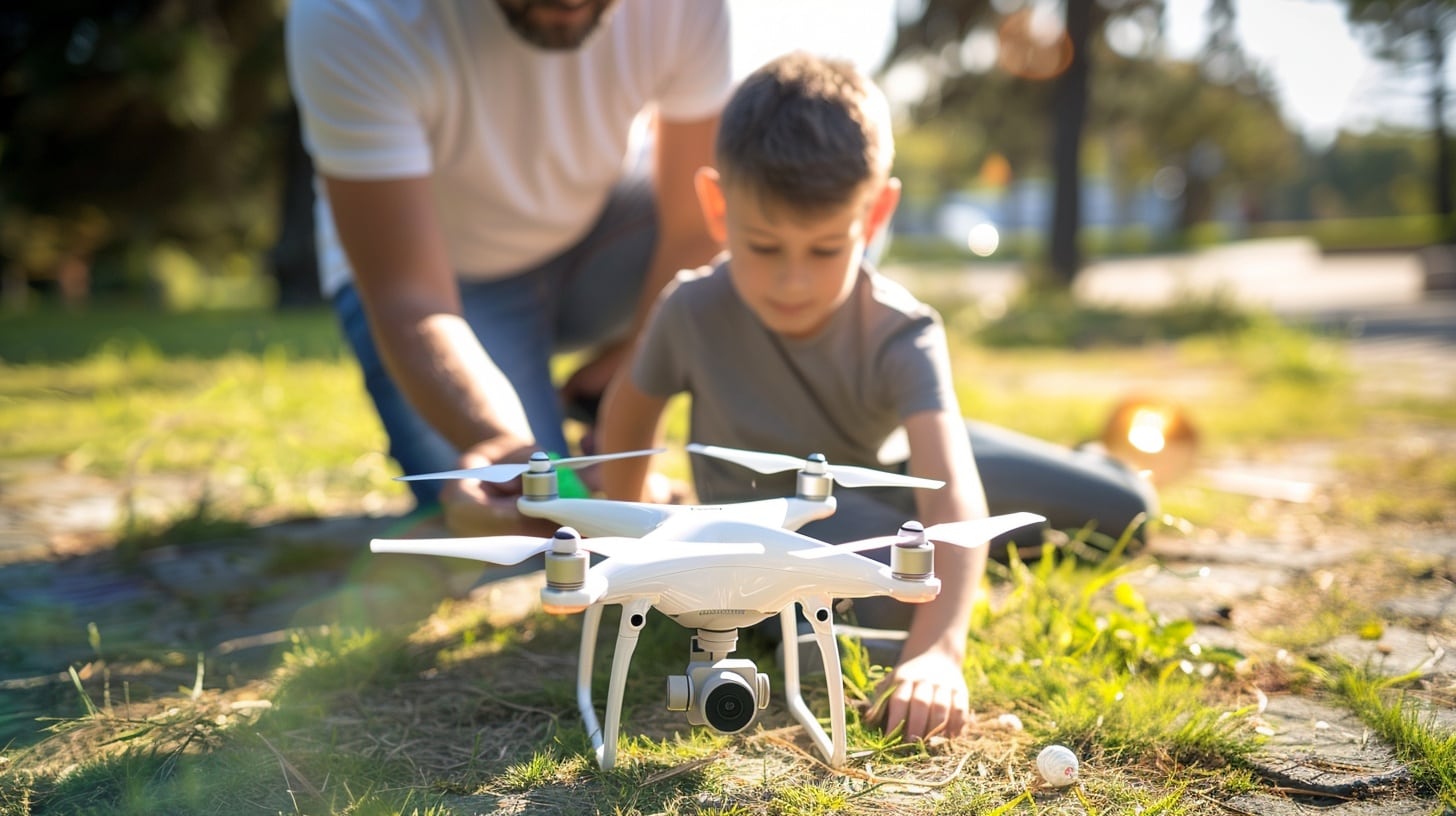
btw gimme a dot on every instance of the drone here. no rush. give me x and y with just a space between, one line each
713 569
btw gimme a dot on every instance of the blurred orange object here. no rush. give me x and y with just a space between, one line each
1152 435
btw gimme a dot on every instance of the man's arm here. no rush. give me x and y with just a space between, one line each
930 695
391 234
683 241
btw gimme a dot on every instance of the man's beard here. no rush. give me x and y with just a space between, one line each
548 35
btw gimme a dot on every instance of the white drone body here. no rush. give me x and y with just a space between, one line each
714 569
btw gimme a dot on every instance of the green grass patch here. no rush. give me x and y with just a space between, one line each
461 715
1057 320
1103 673
1428 749
54 336
263 414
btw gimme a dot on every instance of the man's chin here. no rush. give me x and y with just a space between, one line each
540 27
557 39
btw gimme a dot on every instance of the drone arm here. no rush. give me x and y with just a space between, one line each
817 609
803 511
595 517
634 616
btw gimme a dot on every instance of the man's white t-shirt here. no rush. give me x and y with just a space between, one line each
522 145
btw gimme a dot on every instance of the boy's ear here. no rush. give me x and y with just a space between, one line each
709 186
882 207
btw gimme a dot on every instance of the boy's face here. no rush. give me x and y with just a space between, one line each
792 272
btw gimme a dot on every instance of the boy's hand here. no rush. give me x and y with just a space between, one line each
929 697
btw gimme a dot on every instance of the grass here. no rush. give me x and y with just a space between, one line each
262 416
444 719
1403 721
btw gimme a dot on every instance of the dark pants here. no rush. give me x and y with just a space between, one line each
1071 487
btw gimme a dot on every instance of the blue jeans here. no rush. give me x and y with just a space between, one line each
582 298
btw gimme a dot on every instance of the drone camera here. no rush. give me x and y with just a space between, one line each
725 695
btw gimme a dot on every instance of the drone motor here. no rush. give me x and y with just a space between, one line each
814 482
539 481
912 558
566 561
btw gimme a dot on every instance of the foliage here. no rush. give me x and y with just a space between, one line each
1373 174
137 122
1220 131
1056 319
1400 718
1420 32
1104 671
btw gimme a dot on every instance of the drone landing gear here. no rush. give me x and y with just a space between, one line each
634 617
831 745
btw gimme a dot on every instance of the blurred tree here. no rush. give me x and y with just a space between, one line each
138 122
1198 128
1069 118
1368 175
294 257
1419 32
1039 60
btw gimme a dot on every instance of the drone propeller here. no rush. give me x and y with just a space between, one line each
513 549
847 475
960 533
540 462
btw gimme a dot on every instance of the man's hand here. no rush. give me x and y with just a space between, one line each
929 697
476 508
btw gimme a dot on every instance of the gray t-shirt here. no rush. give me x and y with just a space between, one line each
842 393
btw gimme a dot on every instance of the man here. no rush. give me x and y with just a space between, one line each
477 209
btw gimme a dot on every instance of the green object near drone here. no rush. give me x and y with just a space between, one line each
568 484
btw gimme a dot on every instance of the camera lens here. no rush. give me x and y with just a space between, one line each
728 703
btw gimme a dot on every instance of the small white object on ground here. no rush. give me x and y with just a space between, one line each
1058 765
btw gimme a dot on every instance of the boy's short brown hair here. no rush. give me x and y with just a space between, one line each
806 132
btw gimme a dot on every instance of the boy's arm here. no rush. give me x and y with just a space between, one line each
930 694
628 421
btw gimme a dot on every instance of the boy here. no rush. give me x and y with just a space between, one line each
792 344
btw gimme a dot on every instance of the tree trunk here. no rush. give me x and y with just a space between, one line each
1070 112
294 257
1442 180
